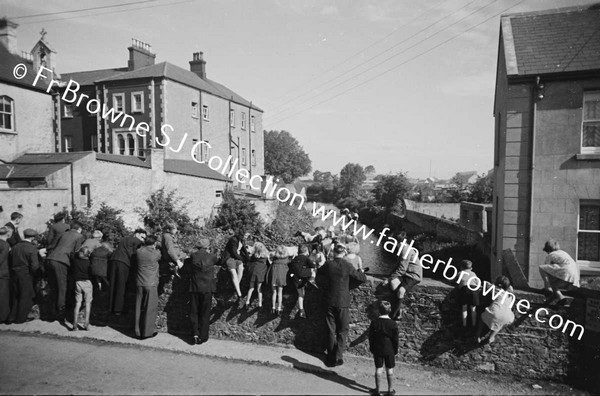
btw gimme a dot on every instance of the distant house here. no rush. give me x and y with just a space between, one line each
465 178
547 140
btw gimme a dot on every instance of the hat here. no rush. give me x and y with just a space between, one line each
97 234
339 248
3 230
30 233
59 216
203 243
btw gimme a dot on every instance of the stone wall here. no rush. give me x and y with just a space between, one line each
430 331
448 210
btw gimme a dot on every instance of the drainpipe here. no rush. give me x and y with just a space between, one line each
250 141
533 128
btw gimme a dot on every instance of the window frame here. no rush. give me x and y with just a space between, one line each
205 113
595 149
11 115
67 110
252 124
244 162
585 264
253 157
114 102
243 121
133 109
195 110
232 118
68 141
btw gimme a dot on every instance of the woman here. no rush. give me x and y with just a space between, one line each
257 268
499 313
559 271
279 272
232 257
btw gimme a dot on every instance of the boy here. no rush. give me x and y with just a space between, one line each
383 343
83 285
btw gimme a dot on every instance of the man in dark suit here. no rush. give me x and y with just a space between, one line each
4 275
24 264
338 271
59 262
120 264
201 269
13 224
56 230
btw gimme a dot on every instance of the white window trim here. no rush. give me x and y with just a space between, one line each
585 264
13 128
244 157
114 101
124 132
243 121
195 110
133 110
588 150
253 157
205 151
252 125
205 114
67 114
68 148
232 118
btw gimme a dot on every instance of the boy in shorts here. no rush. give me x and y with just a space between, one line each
80 265
383 343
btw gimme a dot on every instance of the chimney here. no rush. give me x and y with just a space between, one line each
198 65
8 35
140 55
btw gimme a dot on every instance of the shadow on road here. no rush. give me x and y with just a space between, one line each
327 375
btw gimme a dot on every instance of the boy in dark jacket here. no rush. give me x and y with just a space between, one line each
383 343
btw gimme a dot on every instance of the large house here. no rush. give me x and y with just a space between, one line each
57 153
547 141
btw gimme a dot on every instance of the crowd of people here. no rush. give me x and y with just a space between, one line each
77 268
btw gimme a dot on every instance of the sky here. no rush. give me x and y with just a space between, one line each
403 85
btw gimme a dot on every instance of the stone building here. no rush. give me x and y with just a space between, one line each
547 141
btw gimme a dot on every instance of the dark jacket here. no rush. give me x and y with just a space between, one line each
147 266
15 237
126 250
338 272
231 250
4 251
81 268
168 248
99 261
383 337
54 233
201 269
301 265
68 243
24 257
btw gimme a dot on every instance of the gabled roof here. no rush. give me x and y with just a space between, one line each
176 73
192 168
51 158
552 41
9 61
465 176
124 159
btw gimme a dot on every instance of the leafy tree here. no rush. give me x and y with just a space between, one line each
109 221
238 214
166 207
370 171
390 189
460 191
352 177
318 176
482 189
284 157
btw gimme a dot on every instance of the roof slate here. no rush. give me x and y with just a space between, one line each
554 41
192 168
124 159
89 77
51 158
9 61
25 171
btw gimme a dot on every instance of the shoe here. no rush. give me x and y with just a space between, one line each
279 312
375 392
302 314
330 363
273 311
196 340
392 392
339 362
86 327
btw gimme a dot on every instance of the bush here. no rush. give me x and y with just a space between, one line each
239 215
289 220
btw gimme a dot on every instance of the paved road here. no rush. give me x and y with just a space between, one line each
34 364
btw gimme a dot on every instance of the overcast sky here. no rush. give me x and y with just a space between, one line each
346 78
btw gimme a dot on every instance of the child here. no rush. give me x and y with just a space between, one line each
468 298
83 285
352 257
302 272
383 343
257 268
99 262
279 271
499 313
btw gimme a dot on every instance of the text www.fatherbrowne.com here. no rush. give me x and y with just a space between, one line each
284 195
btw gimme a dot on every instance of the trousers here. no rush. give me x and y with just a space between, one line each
146 308
22 296
57 277
200 305
338 324
4 299
119 272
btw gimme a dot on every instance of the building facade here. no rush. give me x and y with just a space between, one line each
547 141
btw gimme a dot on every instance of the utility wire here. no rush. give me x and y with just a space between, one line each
343 62
388 58
275 109
401 64
83 9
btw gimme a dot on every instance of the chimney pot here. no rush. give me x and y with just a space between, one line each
140 55
8 35
198 65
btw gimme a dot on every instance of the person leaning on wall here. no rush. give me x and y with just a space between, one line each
559 271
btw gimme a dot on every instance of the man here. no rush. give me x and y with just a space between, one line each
406 276
13 224
4 274
94 242
338 271
169 251
24 264
59 262
56 230
201 269
146 301
120 263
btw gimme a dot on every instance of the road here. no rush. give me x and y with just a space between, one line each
34 364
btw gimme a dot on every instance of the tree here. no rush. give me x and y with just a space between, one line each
238 215
459 192
370 171
284 157
352 177
166 207
482 189
318 176
390 189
